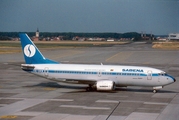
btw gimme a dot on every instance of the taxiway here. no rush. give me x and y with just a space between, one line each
25 96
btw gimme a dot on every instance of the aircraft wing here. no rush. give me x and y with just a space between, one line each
82 81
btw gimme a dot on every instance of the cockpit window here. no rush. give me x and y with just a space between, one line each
162 74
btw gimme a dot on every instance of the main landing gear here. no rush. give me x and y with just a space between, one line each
154 91
90 88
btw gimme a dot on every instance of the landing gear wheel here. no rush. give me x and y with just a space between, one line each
88 89
154 91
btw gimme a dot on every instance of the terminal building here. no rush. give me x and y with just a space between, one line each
173 36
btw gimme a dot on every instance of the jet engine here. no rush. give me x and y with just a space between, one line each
105 85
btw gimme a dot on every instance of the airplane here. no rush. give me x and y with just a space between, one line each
98 77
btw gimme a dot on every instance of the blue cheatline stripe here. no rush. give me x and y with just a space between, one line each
143 75
94 73
155 74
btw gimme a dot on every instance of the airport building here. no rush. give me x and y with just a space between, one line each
173 36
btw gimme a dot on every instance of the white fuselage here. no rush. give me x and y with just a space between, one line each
90 74
99 77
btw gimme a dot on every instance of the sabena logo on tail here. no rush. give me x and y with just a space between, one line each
29 50
32 55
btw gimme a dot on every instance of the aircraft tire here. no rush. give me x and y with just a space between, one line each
154 91
88 89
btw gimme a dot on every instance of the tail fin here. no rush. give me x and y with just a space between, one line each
31 53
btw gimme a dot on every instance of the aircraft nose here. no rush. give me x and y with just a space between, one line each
174 79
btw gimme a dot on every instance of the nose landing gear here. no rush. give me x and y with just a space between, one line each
157 88
154 91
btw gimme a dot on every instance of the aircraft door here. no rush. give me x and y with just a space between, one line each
149 75
99 73
46 71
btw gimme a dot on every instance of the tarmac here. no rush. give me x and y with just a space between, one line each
24 96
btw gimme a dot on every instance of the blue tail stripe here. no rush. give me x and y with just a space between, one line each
31 53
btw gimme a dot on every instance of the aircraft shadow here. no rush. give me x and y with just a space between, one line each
143 90
83 88
56 85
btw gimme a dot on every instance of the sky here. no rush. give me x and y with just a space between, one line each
159 17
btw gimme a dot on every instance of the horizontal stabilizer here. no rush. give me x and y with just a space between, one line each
26 67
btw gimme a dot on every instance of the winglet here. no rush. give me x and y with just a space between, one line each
32 55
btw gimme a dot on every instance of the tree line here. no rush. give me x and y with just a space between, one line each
70 35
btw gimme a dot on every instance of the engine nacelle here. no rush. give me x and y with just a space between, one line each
105 85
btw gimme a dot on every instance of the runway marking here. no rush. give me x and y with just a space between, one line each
107 101
35 99
13 98
49 89
9 117
11 61
69 53
33 114
155 103
72 106
85 107
97 108
67 100
121 56
148 108
112 56
146 63
131 101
